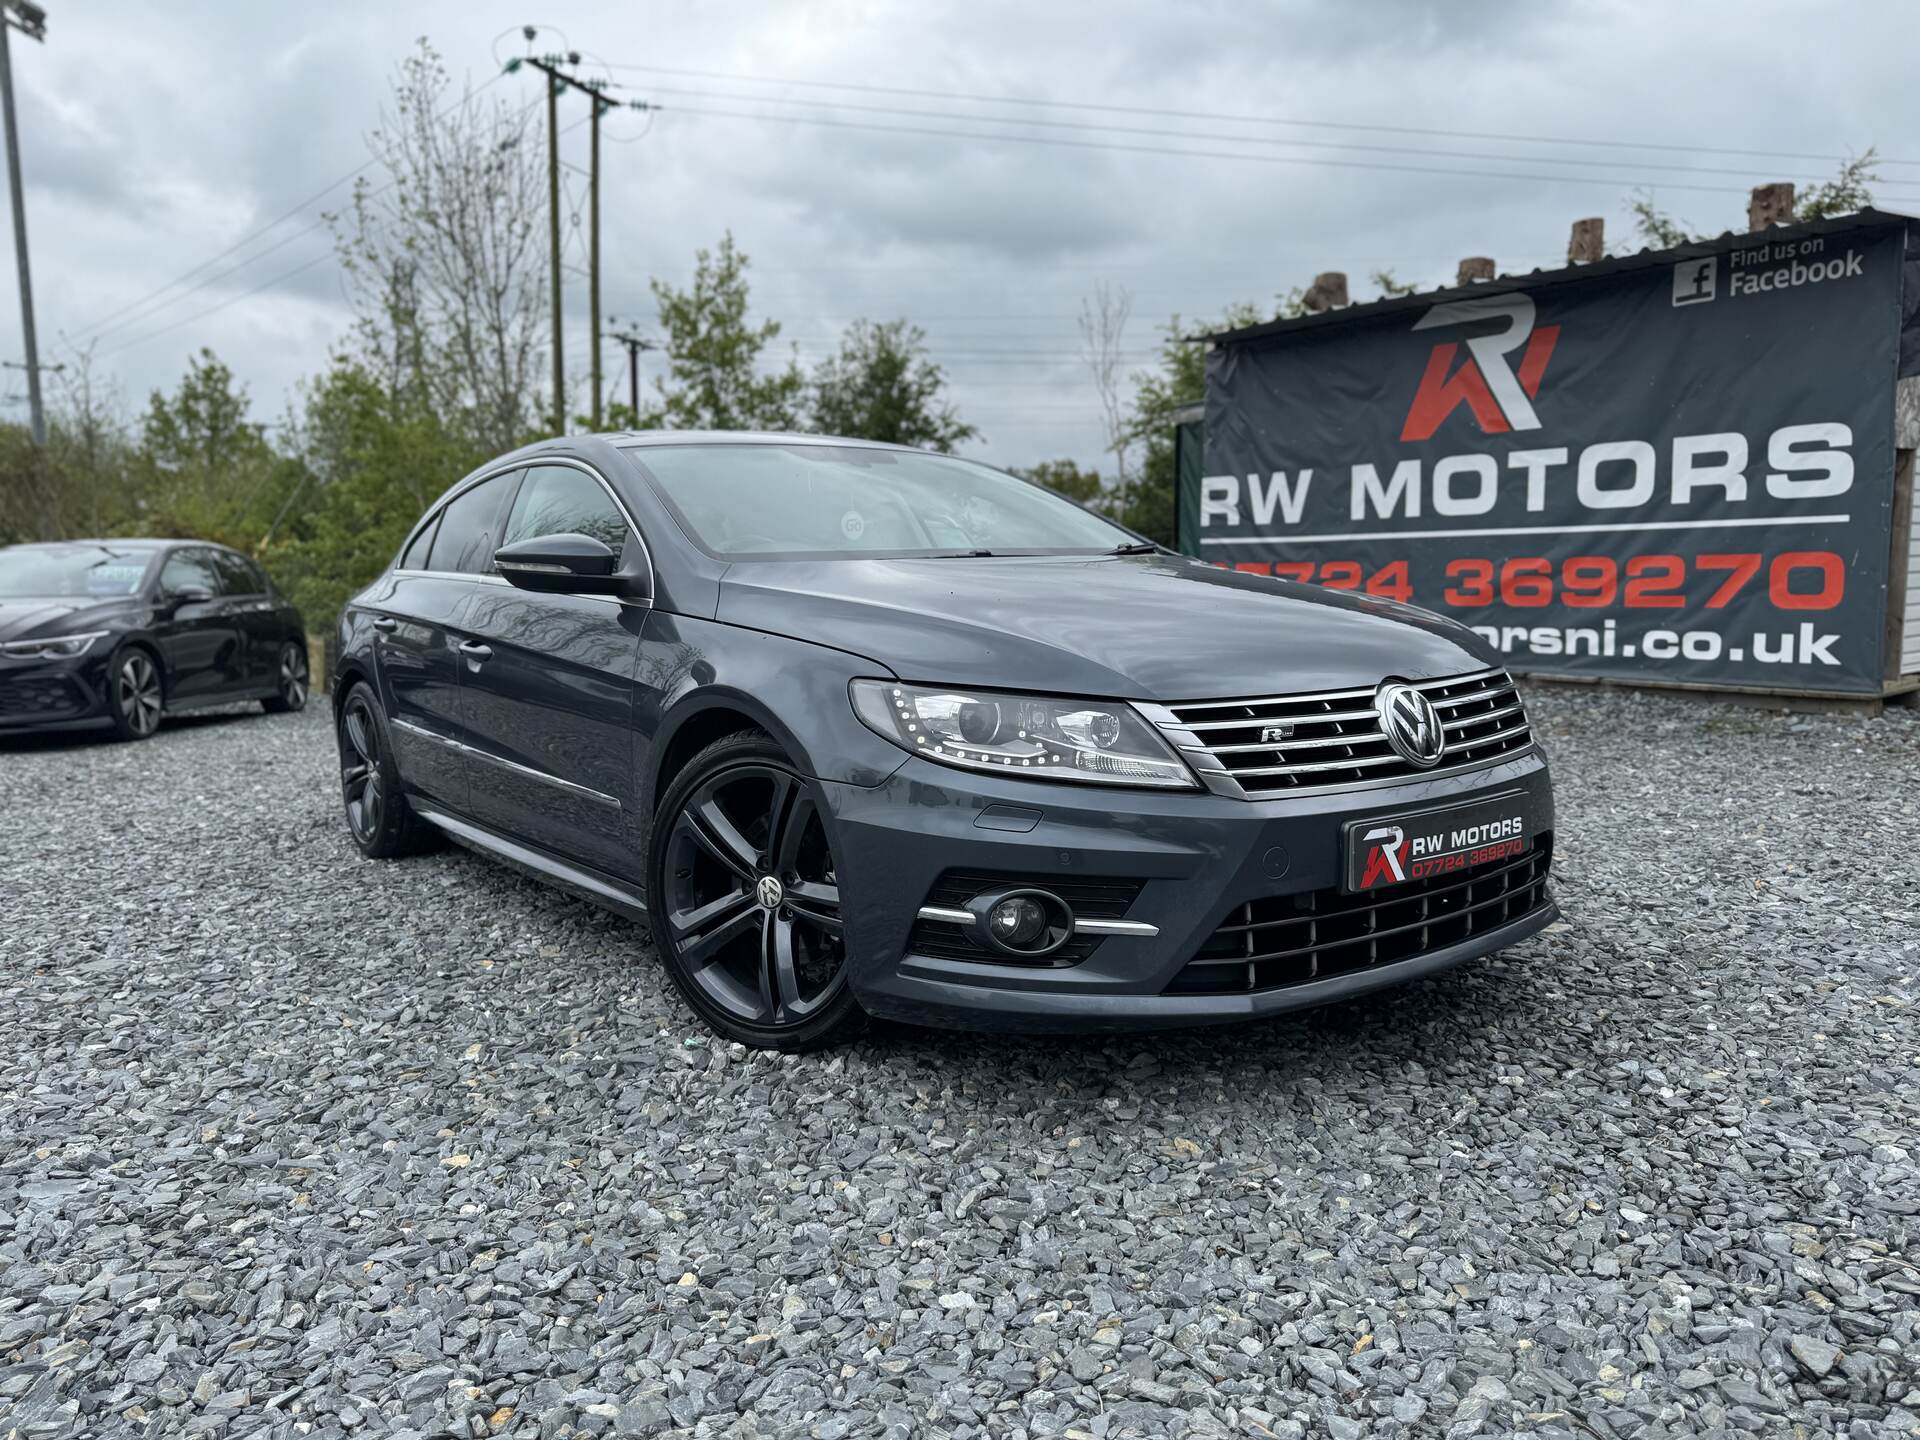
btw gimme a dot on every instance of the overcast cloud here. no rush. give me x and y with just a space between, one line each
155 137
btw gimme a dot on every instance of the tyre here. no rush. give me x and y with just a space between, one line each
291 680
745 901
381 822
136 694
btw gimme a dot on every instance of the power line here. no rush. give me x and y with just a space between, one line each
921 92
94 328
279 279
1613 183
1108 129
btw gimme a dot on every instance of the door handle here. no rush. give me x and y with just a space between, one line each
385 624
475 651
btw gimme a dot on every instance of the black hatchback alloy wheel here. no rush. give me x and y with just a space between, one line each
137 697
291 681
748 900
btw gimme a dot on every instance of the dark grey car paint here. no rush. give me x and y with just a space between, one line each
1138 627
593 695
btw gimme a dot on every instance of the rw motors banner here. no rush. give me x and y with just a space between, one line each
1678 473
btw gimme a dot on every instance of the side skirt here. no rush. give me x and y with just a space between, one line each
588 885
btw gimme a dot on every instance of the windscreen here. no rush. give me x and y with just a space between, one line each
843 501
70 571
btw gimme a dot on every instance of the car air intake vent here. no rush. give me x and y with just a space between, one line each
1088 898
1257 748
42 696
1281 940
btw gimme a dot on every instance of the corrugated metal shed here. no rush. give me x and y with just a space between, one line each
1613 265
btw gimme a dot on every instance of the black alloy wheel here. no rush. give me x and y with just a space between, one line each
378 817
746 899
138 696
291 682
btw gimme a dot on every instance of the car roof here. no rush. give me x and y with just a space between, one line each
637 438
130 542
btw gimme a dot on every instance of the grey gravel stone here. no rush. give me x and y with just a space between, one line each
294 1144
1816 1357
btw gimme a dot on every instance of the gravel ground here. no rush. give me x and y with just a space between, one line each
297 1144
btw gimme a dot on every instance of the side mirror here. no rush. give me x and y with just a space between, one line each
184 595
566 564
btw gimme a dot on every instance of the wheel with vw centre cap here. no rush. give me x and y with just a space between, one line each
744 899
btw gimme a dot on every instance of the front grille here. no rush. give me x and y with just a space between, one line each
1281 940
44 696
1335 738
1089 899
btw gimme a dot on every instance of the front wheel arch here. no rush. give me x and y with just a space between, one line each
700 720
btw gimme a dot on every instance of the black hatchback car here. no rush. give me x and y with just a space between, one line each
861 729
119 633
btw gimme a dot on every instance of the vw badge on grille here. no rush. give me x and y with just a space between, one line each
1410 723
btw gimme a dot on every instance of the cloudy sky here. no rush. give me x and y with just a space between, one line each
977 167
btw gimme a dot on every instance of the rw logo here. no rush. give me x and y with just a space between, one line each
1499 395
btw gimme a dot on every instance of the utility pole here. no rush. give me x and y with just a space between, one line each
30 20
593 252
549 66
553 246
635 344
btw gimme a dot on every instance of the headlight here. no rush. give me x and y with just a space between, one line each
54 647
1097 741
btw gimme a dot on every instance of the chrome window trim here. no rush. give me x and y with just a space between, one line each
599 796
646 550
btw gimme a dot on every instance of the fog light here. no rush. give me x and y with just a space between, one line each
1018 922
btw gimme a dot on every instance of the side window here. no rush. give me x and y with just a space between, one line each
557 500
189 567
465 540
236 576
415 555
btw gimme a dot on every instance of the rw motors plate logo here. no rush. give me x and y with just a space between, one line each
1395 849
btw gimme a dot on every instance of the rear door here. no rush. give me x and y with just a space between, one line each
549 703
202 648
418 638
244 588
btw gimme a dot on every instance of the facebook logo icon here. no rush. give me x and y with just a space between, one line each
1693 280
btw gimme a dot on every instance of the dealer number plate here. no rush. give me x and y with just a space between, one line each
1388 850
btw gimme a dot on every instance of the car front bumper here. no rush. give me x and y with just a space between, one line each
50 693
1196 859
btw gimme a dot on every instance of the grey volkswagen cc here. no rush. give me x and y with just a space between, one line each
862 730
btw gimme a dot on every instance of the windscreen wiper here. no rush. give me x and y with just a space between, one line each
1135 547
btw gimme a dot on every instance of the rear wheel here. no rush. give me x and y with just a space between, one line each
745 899
138 696
291 682
378 816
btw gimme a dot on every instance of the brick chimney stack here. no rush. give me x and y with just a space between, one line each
1328 291
1475 267
1588 242
1770 205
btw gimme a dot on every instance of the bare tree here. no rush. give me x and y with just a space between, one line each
92 420
1103 328
447 256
